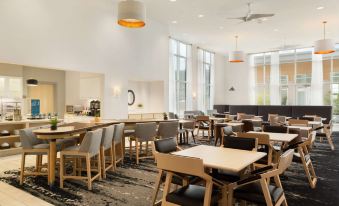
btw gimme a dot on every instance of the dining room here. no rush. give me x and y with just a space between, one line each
169 102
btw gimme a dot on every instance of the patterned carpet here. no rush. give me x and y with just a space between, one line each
133 184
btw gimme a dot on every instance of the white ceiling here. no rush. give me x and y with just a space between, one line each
297 22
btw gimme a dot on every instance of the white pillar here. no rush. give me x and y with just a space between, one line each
317 80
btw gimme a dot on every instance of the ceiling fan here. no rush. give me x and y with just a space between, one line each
250 16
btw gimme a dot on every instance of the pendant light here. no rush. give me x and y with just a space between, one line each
324 46
32 82
131 14
236 56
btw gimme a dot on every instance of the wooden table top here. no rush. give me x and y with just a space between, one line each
300 127
232 160
279 137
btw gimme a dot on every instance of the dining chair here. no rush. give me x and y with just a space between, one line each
227 132
167 145
107 146
264 145
168 129
257 188
204 124
31 145
144 133
250 144
189 128
189 194
298 122
248 126
245 116
308 118
275 129
303 156
88 149
118 144
326 131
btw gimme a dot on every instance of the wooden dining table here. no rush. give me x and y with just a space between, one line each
279 137
64 131
227 159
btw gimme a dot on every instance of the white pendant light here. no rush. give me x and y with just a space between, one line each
131 14
237 55
324 46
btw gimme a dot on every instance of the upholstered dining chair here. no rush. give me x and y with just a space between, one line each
326 131
167 145
204 124
264 145
275 129
303 156
256 187
248 125
168 129
118 144
88 149
31 145
107 146
189 194
189 128
144 133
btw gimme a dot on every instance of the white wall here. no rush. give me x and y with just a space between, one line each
220 88
238 76
148 93
82 35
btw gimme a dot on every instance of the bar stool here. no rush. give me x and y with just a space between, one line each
88 149
118 144
144 132
107 145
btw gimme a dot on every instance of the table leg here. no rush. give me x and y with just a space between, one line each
217 135
52 162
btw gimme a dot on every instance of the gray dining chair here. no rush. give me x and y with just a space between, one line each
31 145
168 129
107 146
118 144
88 149
144 133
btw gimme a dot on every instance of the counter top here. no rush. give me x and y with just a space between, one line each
25 121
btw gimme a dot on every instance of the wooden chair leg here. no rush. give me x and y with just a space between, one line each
137 151
88 168
22 175
193 137
330 142
130 149
122 151
62 170
113 157
103 162
100 166
157 186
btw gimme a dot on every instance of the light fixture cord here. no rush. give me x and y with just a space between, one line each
236 43
324 29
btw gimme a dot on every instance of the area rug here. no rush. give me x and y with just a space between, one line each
133 184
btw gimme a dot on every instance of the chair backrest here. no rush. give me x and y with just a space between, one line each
239 115
285 160
28 138
146 131
168 129
246 116
241 143
189 125
107 136
317 119
295 131
166 145
275 129
171 115
248 125
298 122
257 123
180 164
263 139
308 118
203 118
91 142
118 133
282 119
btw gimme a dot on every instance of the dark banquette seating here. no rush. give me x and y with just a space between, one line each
289 111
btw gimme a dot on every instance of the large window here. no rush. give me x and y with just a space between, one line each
304 78
207 68
179 58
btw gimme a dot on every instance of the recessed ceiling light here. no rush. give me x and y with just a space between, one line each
200 15
320 7
174 22
172 0
275 30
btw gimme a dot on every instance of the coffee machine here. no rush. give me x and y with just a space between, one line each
94 108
